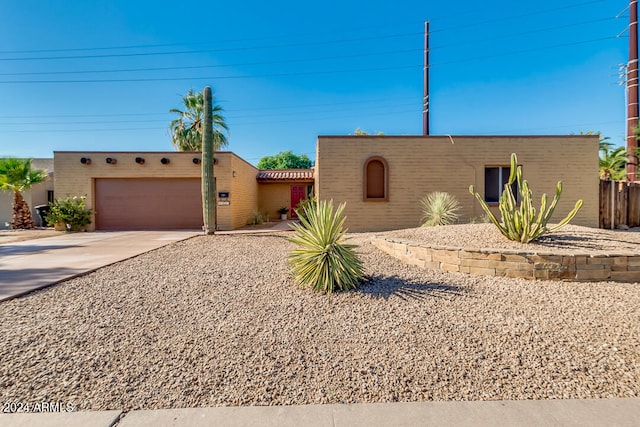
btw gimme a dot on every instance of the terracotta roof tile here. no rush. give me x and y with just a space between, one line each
285 175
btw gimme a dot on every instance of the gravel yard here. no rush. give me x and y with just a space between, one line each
570 239
217 321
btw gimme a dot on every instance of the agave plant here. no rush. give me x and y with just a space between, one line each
321 259
522 224
439 209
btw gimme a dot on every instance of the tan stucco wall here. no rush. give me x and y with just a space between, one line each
276 195
76 179
420 165
244 191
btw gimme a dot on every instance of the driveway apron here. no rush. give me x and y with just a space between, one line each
34 264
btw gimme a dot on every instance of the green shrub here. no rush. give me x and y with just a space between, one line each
439 209
322 260
521 224
70 211
304 203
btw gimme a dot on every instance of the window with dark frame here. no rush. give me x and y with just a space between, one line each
376 179
495 178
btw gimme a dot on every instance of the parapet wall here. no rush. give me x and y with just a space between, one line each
623 267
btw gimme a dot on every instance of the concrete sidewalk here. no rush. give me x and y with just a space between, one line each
34 264
528 413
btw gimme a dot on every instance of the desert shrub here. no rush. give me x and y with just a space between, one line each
521 224
480 219
304 203
257 217
439 209
321 259
70 211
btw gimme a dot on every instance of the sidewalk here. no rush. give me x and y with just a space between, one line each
527 413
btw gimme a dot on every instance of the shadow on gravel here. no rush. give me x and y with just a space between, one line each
578 240
387 286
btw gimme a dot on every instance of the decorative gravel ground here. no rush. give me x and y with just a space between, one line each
216 320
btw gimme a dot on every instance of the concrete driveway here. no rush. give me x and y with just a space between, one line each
34 264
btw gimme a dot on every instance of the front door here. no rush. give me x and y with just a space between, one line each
297 194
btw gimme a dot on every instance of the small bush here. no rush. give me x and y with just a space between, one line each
257 217
439 209
481 219
304 203
322 260
70 211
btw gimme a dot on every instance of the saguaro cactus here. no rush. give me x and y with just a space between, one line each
521 224
208 181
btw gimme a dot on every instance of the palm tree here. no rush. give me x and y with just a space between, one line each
613 163
186 130
17 175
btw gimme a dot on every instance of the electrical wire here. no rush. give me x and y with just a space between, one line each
188 52
195 67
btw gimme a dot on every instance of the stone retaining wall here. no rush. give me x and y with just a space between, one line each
623 267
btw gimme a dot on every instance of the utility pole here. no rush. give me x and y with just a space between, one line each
632 93
425 106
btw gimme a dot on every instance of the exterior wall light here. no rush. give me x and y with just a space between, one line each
234 174
111 161
165 161
196 160
85 160
140 160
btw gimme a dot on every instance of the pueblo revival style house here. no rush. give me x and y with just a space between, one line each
381 178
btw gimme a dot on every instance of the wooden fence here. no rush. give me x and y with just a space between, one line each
620 202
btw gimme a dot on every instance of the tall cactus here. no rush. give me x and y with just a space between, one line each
208 181
521 224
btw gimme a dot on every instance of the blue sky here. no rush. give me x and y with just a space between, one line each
98 75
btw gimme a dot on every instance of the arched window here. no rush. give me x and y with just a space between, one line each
376 179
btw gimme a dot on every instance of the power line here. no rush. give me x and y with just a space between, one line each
515 52
539 30
289 61
186 52
521 15
283 107
194 67
303 73
262 38
242 76
240 124
228 118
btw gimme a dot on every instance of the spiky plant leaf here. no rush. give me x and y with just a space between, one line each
523 224
321 259
439 209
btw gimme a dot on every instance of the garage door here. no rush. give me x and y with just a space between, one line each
148 204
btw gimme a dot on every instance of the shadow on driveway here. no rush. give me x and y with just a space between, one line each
13 250
19 282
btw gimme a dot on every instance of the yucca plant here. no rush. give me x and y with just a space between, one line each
522 224
304 203
439 209
322 260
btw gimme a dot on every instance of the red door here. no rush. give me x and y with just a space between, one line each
297 194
